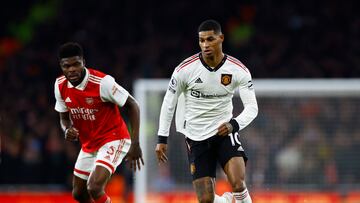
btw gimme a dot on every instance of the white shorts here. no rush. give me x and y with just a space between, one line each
108 156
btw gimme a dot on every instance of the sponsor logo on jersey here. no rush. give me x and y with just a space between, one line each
68 100
195 93
83 113
226 79
89 100
198 80
199 94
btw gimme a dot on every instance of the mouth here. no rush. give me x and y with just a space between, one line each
73 78
207 52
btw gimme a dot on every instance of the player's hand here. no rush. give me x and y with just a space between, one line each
134 156
160 151
71 134
225 129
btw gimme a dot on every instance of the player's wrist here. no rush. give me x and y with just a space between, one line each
66 130
162 139
235 125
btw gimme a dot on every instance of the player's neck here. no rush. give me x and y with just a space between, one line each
81 79
215 60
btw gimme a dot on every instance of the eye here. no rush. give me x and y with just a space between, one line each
65 65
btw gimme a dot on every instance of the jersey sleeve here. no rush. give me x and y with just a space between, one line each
110 91
175 88
60 105
248 98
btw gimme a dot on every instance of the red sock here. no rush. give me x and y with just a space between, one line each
103 199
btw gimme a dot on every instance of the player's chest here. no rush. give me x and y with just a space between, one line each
206 81
75 98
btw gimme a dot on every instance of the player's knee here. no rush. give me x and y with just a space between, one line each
78 195
207 198
95 189
238 186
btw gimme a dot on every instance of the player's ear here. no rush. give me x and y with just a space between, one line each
222 37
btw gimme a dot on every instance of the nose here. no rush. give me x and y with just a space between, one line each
205 45
71 68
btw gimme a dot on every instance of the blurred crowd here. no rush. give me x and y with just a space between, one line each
311 141
147 39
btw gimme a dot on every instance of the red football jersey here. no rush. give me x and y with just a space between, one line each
93 107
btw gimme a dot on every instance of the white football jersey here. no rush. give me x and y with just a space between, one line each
208 94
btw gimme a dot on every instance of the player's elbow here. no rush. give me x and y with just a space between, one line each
132 104
254 110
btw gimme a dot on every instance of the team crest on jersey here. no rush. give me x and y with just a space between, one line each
89 100
226 79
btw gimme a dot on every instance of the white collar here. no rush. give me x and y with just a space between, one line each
82 85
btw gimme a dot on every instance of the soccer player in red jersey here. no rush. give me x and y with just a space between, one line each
88 102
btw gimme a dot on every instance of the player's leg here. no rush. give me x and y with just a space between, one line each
235 171
96 184
204 188
232 158
203 169
83 166
205 191
108 158
79 191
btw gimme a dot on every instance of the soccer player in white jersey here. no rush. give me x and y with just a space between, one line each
208 81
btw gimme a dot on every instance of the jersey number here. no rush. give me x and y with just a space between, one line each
111 150
234 138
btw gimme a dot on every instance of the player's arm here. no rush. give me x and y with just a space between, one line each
134 154
70 133
110 91
134 115
168 106
248 98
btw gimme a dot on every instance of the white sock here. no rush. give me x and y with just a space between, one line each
242 197
220 199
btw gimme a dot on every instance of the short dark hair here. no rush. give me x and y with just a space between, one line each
70 49
209 25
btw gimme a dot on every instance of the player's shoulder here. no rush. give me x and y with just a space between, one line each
236 63
60 80
96 76
188 62
96 73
